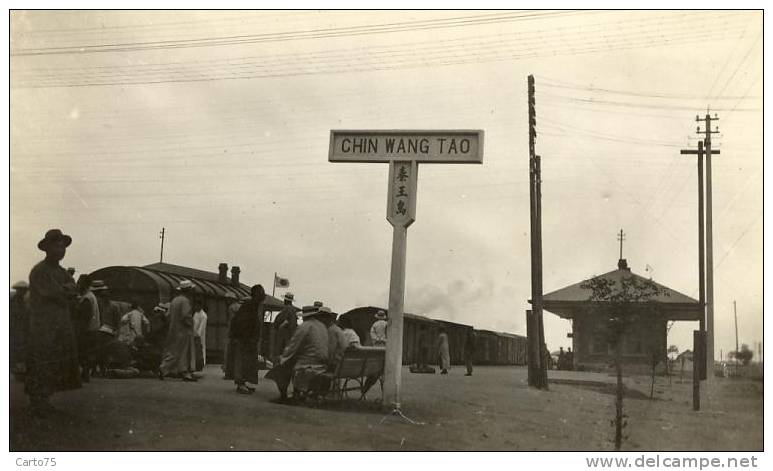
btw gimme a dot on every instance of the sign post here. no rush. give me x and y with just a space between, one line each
403 150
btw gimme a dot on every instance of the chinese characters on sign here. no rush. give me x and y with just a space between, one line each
401 208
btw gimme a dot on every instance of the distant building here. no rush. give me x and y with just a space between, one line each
155 283
589 332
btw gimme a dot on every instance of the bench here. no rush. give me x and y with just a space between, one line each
356 366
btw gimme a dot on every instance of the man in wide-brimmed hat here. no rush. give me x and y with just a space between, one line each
305 356
179 345
52 353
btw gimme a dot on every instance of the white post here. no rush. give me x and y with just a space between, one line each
394 346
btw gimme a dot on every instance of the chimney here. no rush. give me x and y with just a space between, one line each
622 264
235 276
222 273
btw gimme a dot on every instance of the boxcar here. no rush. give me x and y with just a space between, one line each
486 347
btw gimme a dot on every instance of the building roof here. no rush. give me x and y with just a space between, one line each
565 301
206 279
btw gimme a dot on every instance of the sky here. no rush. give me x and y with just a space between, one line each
215 126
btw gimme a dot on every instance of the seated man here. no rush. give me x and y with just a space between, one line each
304 358
336 340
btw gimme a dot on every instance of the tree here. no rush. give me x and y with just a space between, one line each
744 355
621 304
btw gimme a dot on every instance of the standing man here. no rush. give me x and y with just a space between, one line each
233 307
282 335
244 337
469 351
378 331
109 320
444 356
87 325
52 357
179 341
200 334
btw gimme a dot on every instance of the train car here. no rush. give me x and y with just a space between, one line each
419 333
156 283
486 347
515 348
457 339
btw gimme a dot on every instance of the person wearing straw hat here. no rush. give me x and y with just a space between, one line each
284 326
378 331
304 357
52 355
179 345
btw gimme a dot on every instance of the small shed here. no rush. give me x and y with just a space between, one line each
155 283
589 331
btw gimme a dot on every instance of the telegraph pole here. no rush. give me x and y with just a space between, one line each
161 236
539 363
708 362
709 248
735 316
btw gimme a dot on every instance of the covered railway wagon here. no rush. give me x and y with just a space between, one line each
499 348
420 336
486 345
156 283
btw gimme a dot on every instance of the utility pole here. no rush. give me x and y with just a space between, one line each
735 315
539 365
707 364
161 236
709 248
621 238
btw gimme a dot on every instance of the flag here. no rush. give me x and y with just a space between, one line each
280 282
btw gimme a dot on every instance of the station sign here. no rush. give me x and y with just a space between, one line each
436 146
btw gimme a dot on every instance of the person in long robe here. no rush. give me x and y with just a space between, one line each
52 356
233 307
244 336
179 340
200 335
444 356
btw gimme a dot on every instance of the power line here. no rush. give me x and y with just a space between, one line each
293 35
434 60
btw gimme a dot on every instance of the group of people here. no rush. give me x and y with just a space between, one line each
302 354
74 330
63 332
565 359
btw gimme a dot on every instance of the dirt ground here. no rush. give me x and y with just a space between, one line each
492 410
